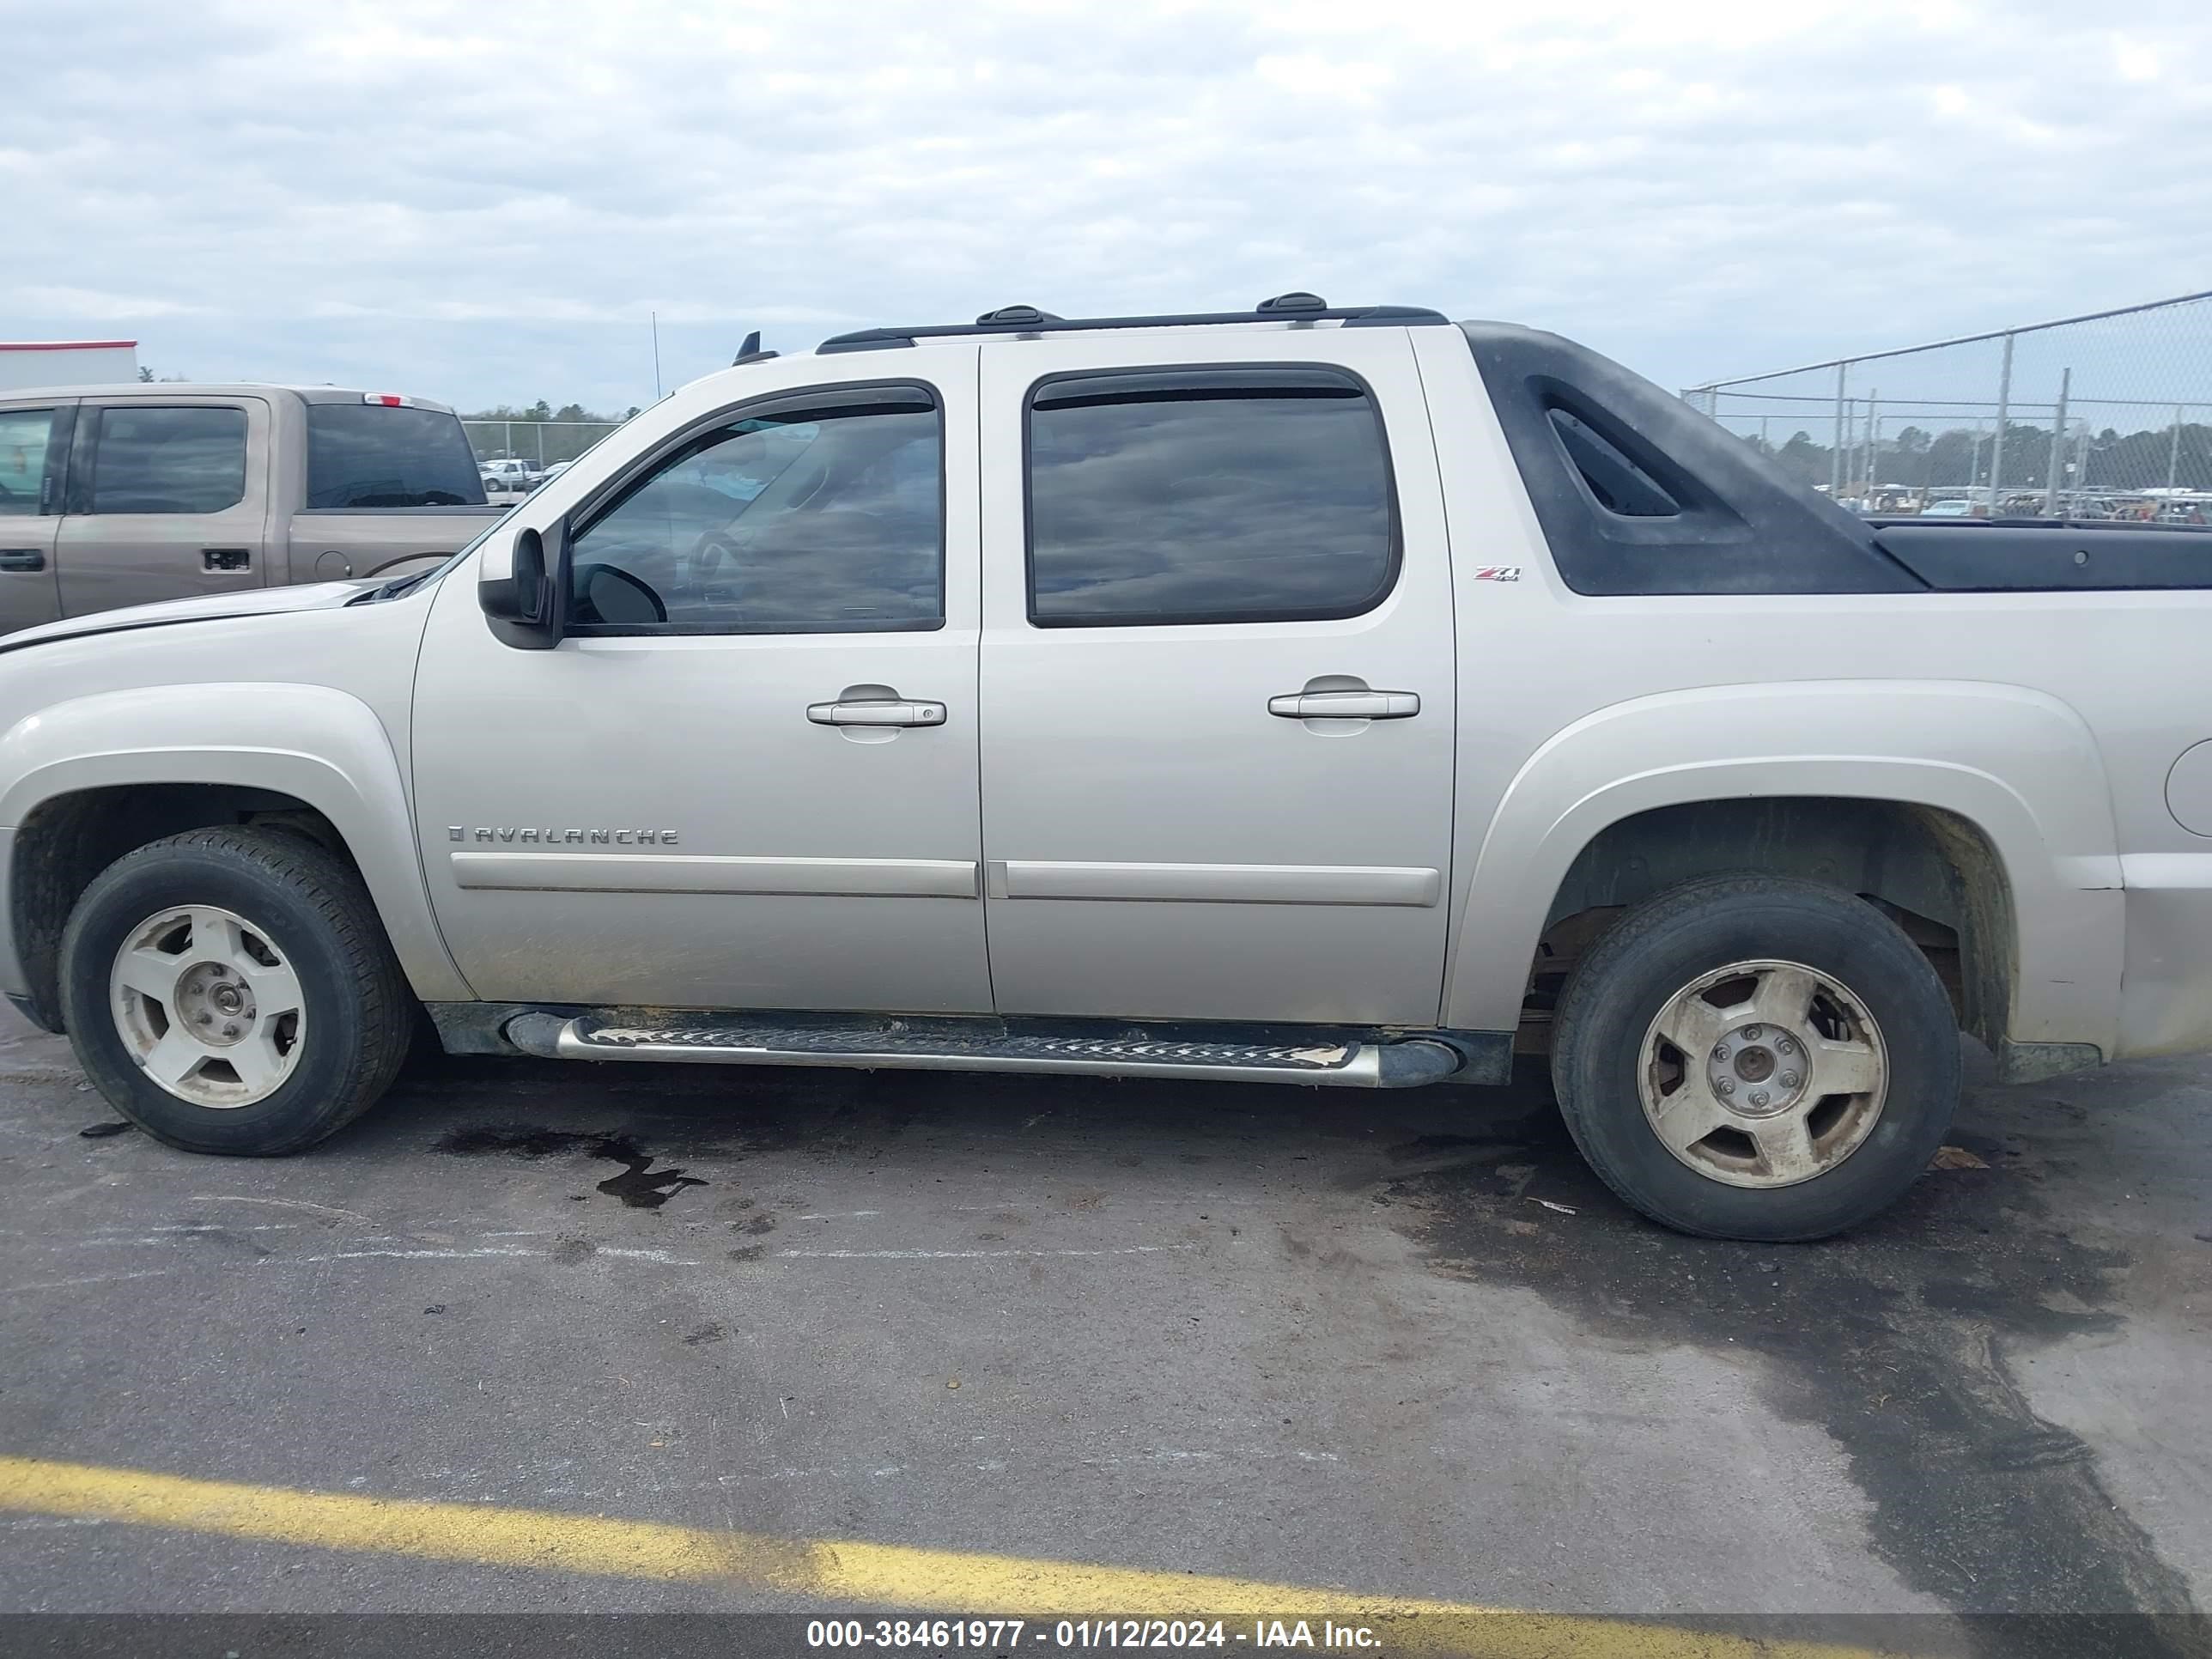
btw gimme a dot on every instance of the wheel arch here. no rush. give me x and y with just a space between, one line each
91 779
1934 871
1779 779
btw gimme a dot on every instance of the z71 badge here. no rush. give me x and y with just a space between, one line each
1497 573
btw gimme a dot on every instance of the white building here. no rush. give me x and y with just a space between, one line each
67 362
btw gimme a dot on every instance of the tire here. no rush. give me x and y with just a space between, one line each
215 918
1877 1025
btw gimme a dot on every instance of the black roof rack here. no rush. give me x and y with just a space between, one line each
1029 321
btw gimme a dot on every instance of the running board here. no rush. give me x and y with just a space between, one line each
708 1040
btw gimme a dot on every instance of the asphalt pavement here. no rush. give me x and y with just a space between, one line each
1400 1342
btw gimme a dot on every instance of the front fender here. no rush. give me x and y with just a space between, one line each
321 746
2019 765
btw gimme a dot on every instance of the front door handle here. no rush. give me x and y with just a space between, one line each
22 558
877 712
1346 705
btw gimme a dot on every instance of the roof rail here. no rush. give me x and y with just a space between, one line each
1028 320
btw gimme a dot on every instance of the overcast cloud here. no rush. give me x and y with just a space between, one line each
484 203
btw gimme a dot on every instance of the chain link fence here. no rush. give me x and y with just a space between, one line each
538 444
2107 417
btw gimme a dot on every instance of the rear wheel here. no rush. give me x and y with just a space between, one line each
1753 1057
232 991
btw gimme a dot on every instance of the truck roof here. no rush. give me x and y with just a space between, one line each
156 390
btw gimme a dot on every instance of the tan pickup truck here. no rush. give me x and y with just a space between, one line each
116 496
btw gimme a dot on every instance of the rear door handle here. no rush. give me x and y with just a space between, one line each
1346 705
22 558
885 711
226 558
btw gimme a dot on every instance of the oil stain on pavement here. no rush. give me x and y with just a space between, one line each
639 1185
1894 1340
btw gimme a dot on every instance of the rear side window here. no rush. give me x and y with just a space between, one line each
375 455
24 434
1207 495
169 460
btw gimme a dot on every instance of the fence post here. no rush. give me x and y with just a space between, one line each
2057 445
1836 449
1873 441
2004 414
2174 451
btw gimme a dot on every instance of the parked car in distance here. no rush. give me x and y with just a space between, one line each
1327 695
120 495
511 469
1951 509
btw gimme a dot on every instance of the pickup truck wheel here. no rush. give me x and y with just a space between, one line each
232 991
1753 1057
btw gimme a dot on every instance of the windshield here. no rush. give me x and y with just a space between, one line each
367 455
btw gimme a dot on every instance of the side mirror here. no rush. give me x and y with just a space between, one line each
522 592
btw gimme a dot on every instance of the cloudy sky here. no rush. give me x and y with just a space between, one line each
485 203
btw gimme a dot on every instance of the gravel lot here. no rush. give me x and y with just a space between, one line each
1400 1342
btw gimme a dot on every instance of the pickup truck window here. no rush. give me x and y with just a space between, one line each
24 433
375 455
169 460
803 520
1207 495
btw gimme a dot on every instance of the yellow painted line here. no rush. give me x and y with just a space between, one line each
845 1572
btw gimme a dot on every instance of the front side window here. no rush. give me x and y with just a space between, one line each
378 455
169 460
24 434
1207 495
799 519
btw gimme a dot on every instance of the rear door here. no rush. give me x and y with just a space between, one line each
384 478
33 445
166 500
1217 677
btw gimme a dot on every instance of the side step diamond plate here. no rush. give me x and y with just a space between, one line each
737 1042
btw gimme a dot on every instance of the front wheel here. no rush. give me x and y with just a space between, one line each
1759 1058
232 991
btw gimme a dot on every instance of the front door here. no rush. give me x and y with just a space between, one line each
746 778
33 445
166 500
1217 678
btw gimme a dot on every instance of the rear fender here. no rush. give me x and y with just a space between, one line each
2018 764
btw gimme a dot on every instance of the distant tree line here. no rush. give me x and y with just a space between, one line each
1958 457
542 433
